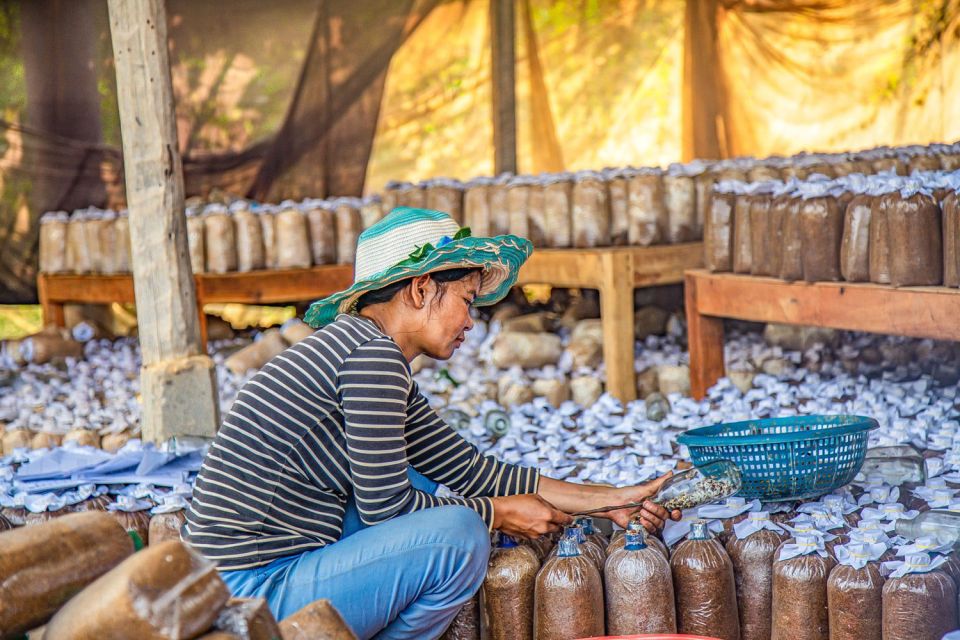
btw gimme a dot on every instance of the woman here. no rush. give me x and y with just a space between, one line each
320 483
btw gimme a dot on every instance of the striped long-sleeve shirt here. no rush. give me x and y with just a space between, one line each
335 415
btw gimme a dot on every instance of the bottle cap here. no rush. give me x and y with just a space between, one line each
635 541
507 542
700 530
567 548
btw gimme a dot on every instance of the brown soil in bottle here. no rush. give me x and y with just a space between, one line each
705 589
791 255
568 600
919 606
466 624
916 241
821 230
760 248
639 593
855 244
752 559
854 598
166 526
799 603
718 232
508 592
951 240
742 247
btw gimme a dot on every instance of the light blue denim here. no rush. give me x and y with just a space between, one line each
404 578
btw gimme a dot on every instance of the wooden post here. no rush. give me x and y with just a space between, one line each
178 380
705 341
503 69
616 314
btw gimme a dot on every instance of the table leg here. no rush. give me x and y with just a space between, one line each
52 311
705 340
616 314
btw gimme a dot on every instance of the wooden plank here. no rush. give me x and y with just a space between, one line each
705 343
616 314
653 266
88 289
52 310
920 312
503 70
166 301
563 268
274 286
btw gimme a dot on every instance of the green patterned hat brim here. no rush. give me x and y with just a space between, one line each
500 258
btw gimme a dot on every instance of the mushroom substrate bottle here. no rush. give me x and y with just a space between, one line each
508 590
854 592
639 589
800 573
704 586
919 600
568 598
751 549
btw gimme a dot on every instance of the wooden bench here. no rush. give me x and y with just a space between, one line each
919 312
614 271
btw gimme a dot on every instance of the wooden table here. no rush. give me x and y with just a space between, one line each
614 271
919 312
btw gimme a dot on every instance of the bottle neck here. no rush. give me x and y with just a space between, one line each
635 542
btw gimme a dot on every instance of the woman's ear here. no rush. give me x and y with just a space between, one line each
420 290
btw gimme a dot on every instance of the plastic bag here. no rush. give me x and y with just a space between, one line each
42 568
537 229
761 250
166 526
703 184
446 195
476 206
854 599
799 603
951 240
646 208
323 235
680 201
196 245
752 559
591 211
508 590
619 208
293 238
639 590
349 226
742 247
249 235
791 255
466 624
499 209
919 606
568 597
78 253
915 241
248 619
821 231
557 210
855 243
220 242
879 253
53 242
165 591
718 232
518 198
780 207
318 619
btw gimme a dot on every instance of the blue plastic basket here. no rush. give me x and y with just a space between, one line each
786 458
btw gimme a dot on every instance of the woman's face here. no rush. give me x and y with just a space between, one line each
447 317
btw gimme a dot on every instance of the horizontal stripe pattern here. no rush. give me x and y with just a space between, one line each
334 416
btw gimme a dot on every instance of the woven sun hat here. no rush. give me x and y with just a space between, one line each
410 242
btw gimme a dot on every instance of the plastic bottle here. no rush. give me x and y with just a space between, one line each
568 598
590 549
854 597
921 605
636 575
942 524
800 593
508 590
704 585
635 526
717 480
592 533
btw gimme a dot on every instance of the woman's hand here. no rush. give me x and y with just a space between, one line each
651 515
527 516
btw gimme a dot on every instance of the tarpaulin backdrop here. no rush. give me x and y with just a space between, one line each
298 98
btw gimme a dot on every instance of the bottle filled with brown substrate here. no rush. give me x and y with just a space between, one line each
589 548
508 590
639 589
466 624
751 548
854 593
568 598
799 606
704 586
919 600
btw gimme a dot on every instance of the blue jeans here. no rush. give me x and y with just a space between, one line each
404 578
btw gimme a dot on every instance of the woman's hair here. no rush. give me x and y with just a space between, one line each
386 294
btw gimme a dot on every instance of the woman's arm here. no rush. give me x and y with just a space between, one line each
571 498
